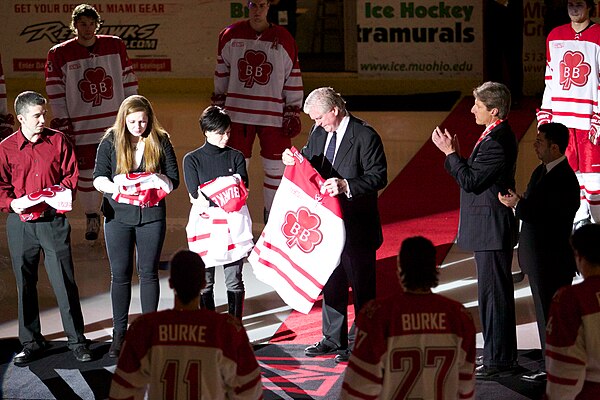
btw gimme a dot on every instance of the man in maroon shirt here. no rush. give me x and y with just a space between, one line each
31 159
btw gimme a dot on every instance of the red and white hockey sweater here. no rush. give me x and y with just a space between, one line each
572 76
58 197
142 189
186 355
223 234
88 85
573 342
259 73
303 240
412 346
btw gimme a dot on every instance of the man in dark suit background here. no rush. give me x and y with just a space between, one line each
487 227
349 154
547 210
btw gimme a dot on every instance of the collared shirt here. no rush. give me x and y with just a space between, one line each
27 167
339 132
488 129
554 163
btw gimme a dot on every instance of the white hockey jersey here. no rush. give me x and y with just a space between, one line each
303 240
185 355
573 342
412 346
88 85
223 234
259 74
572 76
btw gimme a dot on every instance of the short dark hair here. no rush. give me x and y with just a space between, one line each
417 263
592 6
27 99
556 133
585 242
84 10
214 119
187 275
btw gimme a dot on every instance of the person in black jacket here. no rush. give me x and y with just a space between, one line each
210 161
487 227
349 155
547 210
135 143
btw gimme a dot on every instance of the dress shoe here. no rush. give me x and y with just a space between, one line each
342 356
82 354
485 372
537 376
320 349
29 353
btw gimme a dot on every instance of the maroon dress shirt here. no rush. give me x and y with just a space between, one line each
27 167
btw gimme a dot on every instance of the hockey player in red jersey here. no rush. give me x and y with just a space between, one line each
571 98
572 339
186 352
87 79
258 81
415 345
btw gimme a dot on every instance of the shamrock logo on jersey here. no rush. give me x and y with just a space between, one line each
573 70
95 86
301 229
254 67
47 192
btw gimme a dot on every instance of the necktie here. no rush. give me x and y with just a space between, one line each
542 174
330 152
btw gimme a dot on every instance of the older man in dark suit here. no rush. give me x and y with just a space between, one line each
487 227
349 154
547 210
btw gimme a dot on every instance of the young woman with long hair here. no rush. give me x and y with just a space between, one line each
135 143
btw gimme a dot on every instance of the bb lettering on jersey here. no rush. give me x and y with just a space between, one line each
182 333
424 322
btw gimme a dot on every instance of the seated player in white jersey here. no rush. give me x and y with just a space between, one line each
186 352
572 338
416 344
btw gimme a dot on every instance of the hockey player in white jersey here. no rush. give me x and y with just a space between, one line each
87 79
571 98
258 81
572 340
417 344
186 352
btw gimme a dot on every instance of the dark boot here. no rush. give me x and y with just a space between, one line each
235 300
207 301
117 343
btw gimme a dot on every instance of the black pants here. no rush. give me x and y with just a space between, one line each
121 242
544 283
497 307
356 269
26 241
233 277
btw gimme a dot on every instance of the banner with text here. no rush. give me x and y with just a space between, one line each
176 38
534 47
421 39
